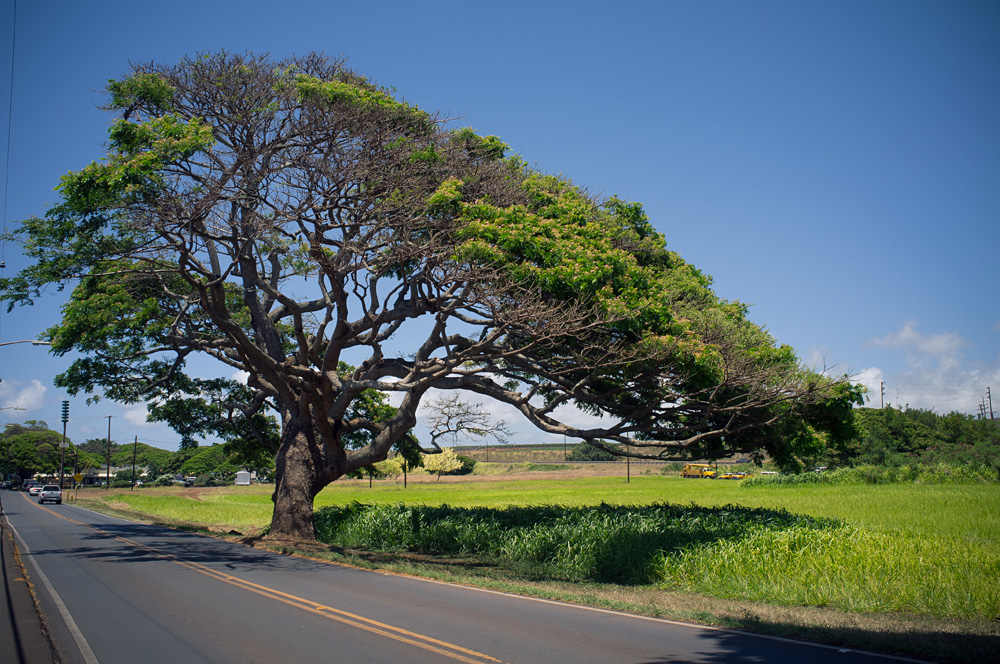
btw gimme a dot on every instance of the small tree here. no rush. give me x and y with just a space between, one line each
443 462
391 467
451 418
585 452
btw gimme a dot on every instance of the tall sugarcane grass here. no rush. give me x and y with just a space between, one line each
848 567
735 552
931 549
614 543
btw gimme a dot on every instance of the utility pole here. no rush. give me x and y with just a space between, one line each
628 462
108 487
135 448
990 397
62 445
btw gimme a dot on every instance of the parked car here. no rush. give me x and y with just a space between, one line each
34 489
50 493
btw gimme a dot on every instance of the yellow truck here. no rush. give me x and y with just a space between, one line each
698 470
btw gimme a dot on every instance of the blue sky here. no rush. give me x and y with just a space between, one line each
835 165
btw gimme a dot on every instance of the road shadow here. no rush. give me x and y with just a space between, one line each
846 644
138 543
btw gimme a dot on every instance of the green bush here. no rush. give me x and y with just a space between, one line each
915 474
123 479
672 468
468 465
585 452
209 480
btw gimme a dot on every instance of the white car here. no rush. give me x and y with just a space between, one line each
34 489
50 493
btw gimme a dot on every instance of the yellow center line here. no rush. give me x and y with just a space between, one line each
431 644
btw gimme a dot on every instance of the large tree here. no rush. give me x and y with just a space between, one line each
283 217
29 448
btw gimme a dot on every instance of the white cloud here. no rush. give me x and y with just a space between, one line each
816 358
943 348
241 377
938 376
871 379
136 416
17 397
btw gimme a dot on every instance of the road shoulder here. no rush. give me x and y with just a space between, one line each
21 626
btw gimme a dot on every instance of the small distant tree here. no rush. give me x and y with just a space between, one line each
122 479
585 452
392 467
444 462
452 418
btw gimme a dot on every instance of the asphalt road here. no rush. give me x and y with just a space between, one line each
114 591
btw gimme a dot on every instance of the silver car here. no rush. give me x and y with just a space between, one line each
50 493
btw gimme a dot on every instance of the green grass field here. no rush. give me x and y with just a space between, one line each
919 549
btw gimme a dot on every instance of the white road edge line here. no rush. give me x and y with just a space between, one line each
81 642
623 614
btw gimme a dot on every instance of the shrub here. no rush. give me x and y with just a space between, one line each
468 465
209 480
916 474
585 452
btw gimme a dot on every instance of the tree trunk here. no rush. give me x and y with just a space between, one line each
302 468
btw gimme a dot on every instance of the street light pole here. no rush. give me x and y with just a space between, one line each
33 342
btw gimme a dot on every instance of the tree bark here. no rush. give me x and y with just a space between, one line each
303 467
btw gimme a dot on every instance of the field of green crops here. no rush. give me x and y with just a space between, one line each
921 549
